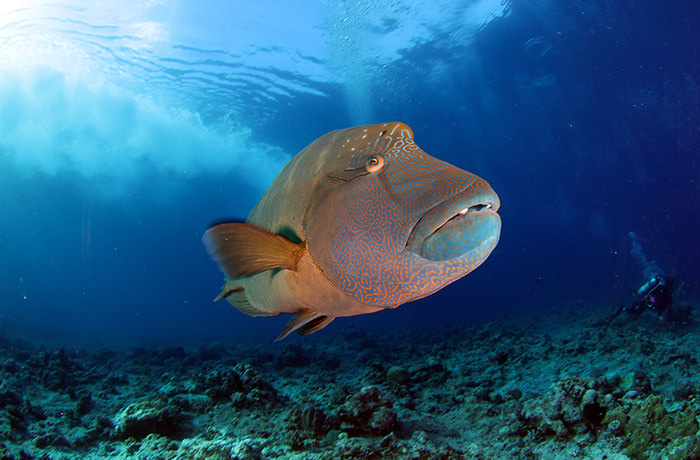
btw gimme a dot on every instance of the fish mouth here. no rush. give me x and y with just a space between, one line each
464 225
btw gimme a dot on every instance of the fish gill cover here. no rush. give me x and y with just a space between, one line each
125 130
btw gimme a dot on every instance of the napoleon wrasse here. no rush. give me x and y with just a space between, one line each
360 220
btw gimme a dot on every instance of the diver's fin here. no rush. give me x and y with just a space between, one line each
244 250
305 322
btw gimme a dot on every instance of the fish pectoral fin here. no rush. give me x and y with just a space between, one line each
305 322
244 249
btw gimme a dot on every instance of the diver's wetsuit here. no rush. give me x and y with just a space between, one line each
656 295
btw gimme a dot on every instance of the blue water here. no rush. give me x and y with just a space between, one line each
125 131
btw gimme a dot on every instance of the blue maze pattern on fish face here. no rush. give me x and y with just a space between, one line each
368 258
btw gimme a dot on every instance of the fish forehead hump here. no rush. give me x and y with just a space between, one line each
285 206
412 177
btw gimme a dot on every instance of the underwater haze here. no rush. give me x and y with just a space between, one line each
128 128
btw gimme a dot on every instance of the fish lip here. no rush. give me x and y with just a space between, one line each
467 201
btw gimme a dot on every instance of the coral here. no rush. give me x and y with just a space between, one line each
542 392
8 396
430 373
499 357
419 446
211 352
303 426
243 449
376 374
636 380
258 391
684 390
241 384
157 445
649 426
57 370
142 418
165 353
513 394
397 377
314 420
567 409
85 404
222 384
573 388
53 440
369 412
593 413
291 355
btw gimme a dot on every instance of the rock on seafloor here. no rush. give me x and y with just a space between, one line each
553 385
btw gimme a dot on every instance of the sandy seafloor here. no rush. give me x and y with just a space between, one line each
561 383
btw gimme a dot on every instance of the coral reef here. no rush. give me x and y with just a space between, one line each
554 386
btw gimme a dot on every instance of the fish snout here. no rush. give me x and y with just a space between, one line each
464 226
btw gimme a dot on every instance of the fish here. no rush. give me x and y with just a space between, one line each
361 220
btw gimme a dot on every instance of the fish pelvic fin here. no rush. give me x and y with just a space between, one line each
237 297
305 322
230 288
245 250
315 325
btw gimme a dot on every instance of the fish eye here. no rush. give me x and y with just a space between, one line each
374 163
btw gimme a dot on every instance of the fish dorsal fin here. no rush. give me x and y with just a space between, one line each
244 250
305 322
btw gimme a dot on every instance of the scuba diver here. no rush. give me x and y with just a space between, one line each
656 295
